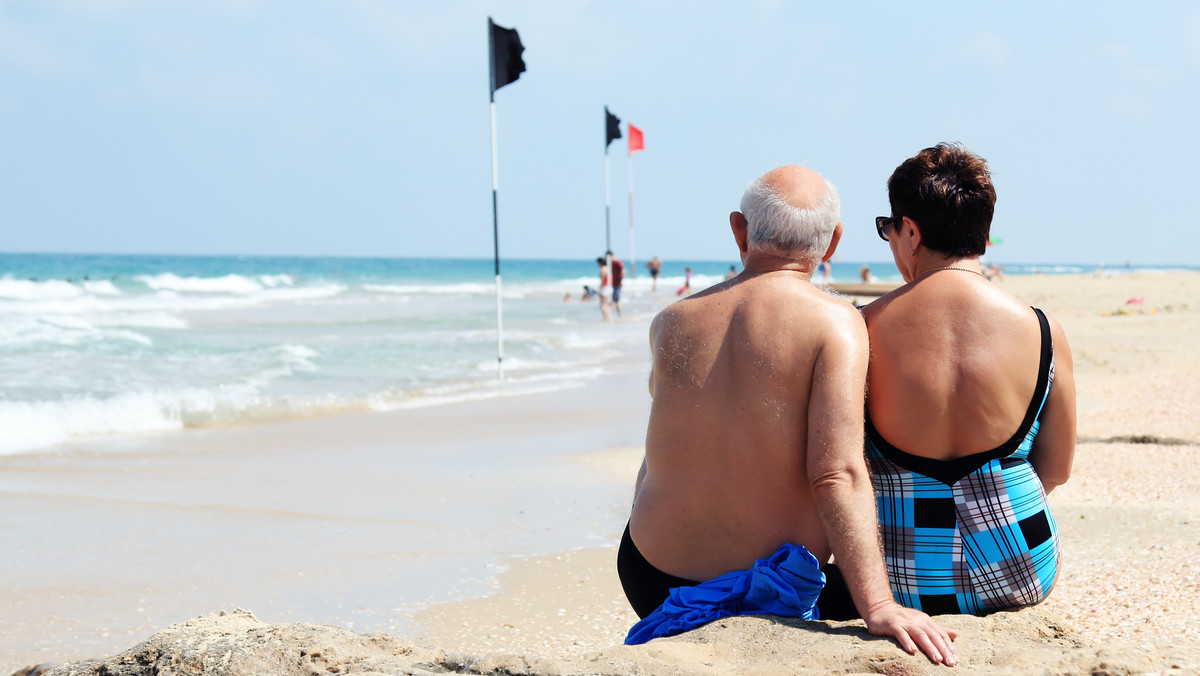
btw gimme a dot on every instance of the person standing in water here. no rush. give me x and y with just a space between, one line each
655 267
605 291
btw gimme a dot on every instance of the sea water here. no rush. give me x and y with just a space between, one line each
107 344
94 345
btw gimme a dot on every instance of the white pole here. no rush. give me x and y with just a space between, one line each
632 254
607 203
496 237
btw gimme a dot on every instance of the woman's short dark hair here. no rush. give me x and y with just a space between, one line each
948 191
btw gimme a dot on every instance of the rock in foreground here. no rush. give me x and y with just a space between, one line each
1030 641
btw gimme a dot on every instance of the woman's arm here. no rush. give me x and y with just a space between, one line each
1054 447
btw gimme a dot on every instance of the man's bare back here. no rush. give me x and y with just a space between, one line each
726 479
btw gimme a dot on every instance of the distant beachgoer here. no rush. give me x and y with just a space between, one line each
825 268
605 287
970 418
732 272
687 282
864 273
618 277
655 267
588 293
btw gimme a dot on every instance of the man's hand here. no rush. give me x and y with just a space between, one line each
914 630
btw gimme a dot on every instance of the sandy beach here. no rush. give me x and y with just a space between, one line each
488 528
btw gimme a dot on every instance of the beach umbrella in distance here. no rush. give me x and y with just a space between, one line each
505 65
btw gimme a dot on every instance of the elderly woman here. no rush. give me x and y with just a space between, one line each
970 404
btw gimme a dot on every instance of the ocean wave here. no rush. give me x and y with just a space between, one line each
30 425
28 289
64 330
460 288
231 283
515 383
163 301
273 281
101 287
590 341
140 320
299 353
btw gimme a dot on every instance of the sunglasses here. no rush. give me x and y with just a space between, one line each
883 223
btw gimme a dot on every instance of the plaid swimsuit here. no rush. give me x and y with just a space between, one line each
970 535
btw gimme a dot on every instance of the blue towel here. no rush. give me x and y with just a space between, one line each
786 583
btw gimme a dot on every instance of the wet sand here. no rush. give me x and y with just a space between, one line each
355 520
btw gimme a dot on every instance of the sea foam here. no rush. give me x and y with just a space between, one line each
29 425
27 289
236 284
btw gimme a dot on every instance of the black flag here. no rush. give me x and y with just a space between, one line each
507 64
613 127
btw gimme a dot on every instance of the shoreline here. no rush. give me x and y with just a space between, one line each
353 520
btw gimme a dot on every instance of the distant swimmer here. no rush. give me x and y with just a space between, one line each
687 282
618 278
655 267
605 286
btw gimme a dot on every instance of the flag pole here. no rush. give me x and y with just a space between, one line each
632 254
495 210
612 131
607 203
608 256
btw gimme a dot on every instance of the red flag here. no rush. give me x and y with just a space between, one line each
635 140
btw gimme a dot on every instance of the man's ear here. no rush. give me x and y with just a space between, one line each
833 242
741 229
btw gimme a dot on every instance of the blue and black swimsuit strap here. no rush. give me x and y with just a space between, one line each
1043 381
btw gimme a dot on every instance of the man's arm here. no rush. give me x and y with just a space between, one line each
655 328
841 489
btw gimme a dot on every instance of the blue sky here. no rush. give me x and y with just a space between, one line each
360 127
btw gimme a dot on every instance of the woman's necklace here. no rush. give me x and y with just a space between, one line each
925 274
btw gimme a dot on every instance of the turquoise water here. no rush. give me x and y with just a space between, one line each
107 344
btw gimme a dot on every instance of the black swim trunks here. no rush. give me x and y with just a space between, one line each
647 587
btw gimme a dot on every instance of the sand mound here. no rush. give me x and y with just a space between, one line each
1026 642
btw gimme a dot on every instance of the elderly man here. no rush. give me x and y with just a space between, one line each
755 435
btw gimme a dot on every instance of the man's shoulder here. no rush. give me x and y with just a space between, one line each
821 317
808 299
839 308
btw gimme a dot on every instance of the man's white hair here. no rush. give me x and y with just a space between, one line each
779 227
